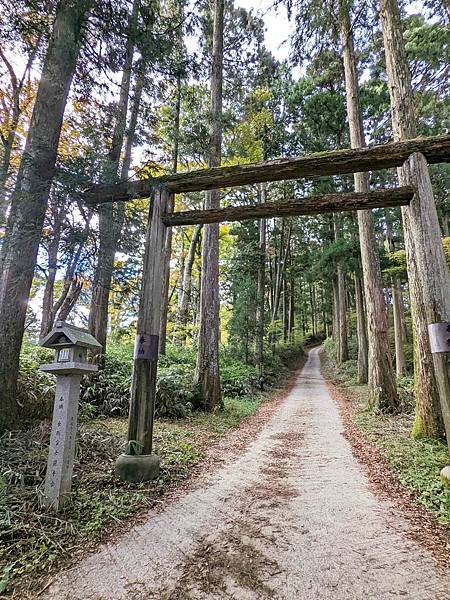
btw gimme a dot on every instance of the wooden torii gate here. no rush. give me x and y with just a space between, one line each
139 464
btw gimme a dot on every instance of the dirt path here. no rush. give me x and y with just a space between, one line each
291 518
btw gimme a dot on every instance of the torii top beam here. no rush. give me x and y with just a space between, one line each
436 149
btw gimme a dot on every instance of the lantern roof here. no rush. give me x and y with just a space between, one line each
64 335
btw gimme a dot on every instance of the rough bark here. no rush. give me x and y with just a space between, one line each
436 149
261 288
326 203
30 197
335 325
59 214
428 275
207 376
186 284
340 303
111 217
12 124
398 310
342 355
169 235
381 378
361 330
445 227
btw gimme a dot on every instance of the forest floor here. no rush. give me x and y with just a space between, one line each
284 510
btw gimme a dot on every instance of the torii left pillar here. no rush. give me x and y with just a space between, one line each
139 463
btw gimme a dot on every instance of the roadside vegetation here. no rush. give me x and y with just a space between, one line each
416 461
34 541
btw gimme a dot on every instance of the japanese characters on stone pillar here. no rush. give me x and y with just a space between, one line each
71 345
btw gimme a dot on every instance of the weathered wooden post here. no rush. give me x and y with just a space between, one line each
71 345
139 464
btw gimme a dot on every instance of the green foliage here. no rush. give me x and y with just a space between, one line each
417 462
446 244
35 389
174 392
396 262
107 392
238 379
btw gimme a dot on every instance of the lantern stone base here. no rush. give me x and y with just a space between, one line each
137 468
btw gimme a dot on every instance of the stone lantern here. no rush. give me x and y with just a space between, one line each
71 345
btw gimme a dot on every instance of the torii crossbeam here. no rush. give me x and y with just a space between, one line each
139 464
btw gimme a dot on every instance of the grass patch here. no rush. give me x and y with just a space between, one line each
417 462
33 541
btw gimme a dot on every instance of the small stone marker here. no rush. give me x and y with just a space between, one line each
71 345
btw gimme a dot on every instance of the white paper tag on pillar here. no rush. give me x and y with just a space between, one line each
146 346
439 337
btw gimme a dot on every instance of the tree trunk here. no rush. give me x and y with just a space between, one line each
30 197
341 304
13 122
445 228
381 379
292 309
53 248
207 374
398 309
361 327
342 333
335 326
261 288
428 276
168 248
111 216
186 283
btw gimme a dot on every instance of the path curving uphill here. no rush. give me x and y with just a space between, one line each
291 518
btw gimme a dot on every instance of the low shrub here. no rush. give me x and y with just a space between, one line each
107 392
405 388
238 379
35 390
174 392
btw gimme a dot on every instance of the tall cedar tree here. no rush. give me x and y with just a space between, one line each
428 275
111 216
207 374
31 193
382 386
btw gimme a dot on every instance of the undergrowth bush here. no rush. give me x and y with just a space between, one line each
107 392
35 389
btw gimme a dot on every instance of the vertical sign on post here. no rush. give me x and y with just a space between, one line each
71 345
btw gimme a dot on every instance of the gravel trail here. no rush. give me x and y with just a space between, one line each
291 518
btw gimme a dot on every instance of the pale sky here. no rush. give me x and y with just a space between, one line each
278 27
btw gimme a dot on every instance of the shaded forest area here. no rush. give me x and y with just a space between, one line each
102 92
